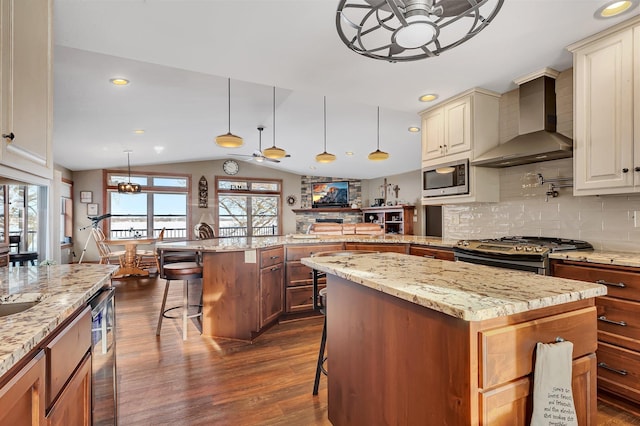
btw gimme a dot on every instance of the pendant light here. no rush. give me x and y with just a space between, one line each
274 152
325 157
229 140
378 155
128 187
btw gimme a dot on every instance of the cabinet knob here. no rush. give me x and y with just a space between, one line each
637 169
625 170
9 136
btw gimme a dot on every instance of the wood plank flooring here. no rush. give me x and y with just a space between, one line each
165 380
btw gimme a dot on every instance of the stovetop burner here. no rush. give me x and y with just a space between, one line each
537 246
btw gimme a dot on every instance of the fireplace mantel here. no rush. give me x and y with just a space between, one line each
328 210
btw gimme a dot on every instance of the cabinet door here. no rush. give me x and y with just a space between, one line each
271 293
433 135
74 405
26 86
511 404
22 398
603 145
457 130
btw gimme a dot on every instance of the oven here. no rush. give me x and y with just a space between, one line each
530 254
104 400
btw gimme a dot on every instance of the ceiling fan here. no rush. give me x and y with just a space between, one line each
257 155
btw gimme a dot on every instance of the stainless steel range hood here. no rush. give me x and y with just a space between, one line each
538 140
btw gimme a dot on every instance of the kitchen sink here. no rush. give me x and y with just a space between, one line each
14 304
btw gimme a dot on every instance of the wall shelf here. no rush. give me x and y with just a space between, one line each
394 219
328 210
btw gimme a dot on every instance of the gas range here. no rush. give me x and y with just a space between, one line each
523 253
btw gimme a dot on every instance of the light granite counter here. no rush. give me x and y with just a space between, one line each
252 243
600 256
61 289
463 290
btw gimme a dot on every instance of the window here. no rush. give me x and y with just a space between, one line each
248 207
163 203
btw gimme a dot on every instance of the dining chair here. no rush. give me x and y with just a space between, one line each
146 258
104 250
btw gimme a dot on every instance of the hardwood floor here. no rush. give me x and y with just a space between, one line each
203 381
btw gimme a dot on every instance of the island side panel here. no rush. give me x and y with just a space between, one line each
230 295
393 362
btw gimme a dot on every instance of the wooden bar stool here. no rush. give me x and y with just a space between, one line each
184 271
320 304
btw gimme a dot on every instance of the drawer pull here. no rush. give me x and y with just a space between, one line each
603 282
605 319
274 257
429 256
275 268
615 370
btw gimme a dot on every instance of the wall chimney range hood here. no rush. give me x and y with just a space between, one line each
537 140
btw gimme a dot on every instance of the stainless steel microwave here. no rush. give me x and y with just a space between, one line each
446 179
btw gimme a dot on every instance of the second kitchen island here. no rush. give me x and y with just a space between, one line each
422 341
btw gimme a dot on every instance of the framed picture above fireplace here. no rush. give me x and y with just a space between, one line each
330 194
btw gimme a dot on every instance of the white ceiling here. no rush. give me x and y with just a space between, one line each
178 55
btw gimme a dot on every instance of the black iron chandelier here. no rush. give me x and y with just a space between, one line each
408 30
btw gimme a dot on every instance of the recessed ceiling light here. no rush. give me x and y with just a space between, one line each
414 129
138 131
614 8
349 153
119 81
158 149
428 97
312 167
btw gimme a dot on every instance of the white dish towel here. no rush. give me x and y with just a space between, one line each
552 395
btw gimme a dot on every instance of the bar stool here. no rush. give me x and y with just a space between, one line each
184 271
320 304
20 257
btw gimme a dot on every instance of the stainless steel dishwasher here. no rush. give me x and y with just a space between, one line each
104 392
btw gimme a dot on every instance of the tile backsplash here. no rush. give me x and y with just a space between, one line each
607 222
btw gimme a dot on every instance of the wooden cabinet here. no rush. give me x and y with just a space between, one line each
618 327
271 285
26 86
73 407
431 252
299 278
385 247
22 398
607 111
394 219
458 129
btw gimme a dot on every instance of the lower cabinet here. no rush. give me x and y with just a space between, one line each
22 398
73 407
395 248
431 252
618 328
271 286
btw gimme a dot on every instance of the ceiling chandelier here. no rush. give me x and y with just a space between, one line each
324 156
408 30
274 152
229 140
128 187
378 155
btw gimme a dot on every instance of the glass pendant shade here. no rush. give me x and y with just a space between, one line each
324 156
229 140
128 187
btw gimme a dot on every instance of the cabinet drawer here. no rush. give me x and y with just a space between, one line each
298 274
619 322
270 257
623 284
298 252
65 352
619 371
300 299
434 253
506 353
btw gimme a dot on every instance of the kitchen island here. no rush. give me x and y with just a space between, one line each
45 335
423 341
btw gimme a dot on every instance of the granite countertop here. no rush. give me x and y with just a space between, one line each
600 256
252 243
463 290
61 289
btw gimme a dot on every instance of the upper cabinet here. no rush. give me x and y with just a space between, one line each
607 126
26 86
458 129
